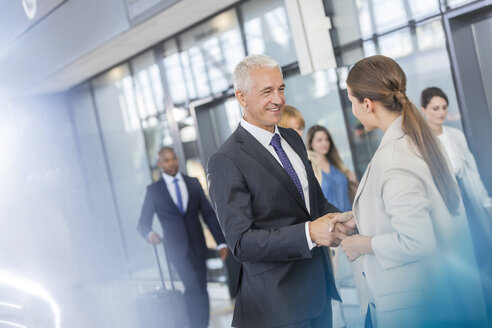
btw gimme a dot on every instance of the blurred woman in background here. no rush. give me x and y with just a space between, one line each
337 182
478 205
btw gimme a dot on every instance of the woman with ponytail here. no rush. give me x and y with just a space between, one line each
413 237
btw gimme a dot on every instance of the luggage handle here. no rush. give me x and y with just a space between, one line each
160 268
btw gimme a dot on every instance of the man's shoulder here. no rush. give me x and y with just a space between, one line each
152 187
155 183
190 179
231 144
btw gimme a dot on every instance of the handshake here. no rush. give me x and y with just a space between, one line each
332 228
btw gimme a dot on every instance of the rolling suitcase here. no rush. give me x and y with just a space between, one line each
162 308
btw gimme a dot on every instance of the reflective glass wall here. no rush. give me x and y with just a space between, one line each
413 35
145 103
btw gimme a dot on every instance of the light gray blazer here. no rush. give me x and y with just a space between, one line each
416 274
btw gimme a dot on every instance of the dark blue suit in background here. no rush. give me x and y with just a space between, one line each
184 240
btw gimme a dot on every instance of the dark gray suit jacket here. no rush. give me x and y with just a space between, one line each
263 219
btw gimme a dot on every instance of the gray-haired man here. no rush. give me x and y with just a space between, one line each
272 210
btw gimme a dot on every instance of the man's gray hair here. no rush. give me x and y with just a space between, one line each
251 63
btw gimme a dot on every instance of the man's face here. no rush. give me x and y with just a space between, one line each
264 102
168 162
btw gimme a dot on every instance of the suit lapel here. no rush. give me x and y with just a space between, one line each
166 195
189 187
256 150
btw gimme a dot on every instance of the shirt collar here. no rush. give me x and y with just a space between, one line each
262 135
169 178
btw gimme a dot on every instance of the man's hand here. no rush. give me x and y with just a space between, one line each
154 238
322 234
223 252
344 223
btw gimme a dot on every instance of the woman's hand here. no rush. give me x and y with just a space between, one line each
341 218
344 222
356 245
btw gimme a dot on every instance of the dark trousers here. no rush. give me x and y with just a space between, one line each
324 320
193 273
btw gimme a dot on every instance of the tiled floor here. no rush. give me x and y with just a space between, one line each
222 307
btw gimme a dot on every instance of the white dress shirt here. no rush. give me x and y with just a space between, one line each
264 137
169 180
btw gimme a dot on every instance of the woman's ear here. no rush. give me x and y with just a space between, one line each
368 105
424 111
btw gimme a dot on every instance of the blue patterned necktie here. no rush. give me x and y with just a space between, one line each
179 200
275 143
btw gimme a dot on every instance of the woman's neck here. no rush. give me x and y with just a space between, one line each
387 119
436 128
322 159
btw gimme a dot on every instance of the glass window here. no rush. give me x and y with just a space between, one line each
352 55
267 30
316 96
370 48
457 3
148 85
210 52
423 8
366 18
103 214
175 76
430 35
127 160
352 20
397 44
356 19
386 22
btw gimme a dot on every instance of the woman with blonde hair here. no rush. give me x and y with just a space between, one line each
292 119
413 237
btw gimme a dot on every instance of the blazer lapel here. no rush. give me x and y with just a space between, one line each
362 183
355 205
189 187
392 133
253 147
166 195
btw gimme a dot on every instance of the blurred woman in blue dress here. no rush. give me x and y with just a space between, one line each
337 182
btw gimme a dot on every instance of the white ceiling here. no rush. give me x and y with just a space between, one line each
172 20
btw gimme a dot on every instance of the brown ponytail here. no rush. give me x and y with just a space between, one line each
381 79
